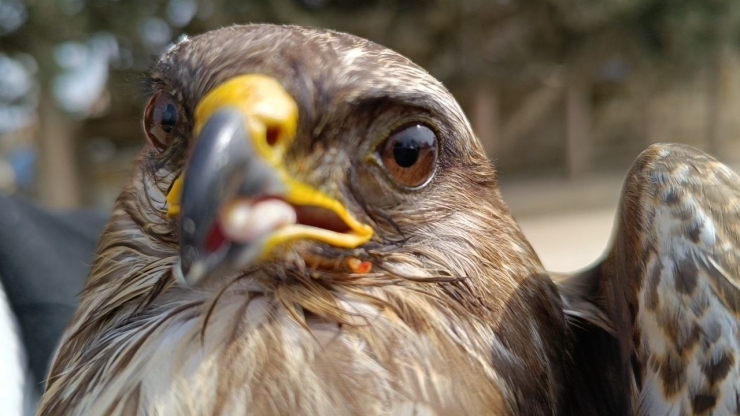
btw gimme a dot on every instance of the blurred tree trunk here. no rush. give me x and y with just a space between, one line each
578 113
58 179
718 73
486 119
534 107
644 109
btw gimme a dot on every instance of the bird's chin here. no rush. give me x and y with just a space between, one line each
348 263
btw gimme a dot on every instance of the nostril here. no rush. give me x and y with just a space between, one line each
272 136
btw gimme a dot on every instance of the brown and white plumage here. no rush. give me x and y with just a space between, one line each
435 328
457 315
669 287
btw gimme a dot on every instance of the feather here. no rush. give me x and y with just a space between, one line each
669 286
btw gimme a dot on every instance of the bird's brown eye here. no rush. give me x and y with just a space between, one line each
410 155
160 120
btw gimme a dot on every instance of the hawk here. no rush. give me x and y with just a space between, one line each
314 229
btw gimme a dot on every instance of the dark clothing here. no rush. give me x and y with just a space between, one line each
45 257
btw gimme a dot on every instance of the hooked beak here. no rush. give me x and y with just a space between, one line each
235 200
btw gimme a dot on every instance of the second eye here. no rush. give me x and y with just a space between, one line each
410 155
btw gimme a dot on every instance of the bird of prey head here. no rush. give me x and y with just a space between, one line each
312 229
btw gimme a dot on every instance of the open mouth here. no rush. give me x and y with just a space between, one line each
319 217
246 221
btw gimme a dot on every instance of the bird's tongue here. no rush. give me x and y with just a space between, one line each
246 221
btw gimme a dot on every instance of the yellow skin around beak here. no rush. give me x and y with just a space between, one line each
271 118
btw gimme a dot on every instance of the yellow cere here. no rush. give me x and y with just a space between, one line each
268 107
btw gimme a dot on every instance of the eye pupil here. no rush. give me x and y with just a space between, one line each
169 118
410 155
161 120
406 152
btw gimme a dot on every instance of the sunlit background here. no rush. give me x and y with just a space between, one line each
564 94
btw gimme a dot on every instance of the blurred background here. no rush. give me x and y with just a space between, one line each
564 94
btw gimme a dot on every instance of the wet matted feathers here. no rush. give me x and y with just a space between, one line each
452 312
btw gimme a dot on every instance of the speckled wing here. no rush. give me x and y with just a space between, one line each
667 292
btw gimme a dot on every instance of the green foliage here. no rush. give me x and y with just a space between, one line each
82 51
470 38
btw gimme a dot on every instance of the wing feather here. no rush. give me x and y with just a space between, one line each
669 287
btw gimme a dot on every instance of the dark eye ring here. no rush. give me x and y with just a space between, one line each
409 155
161 119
